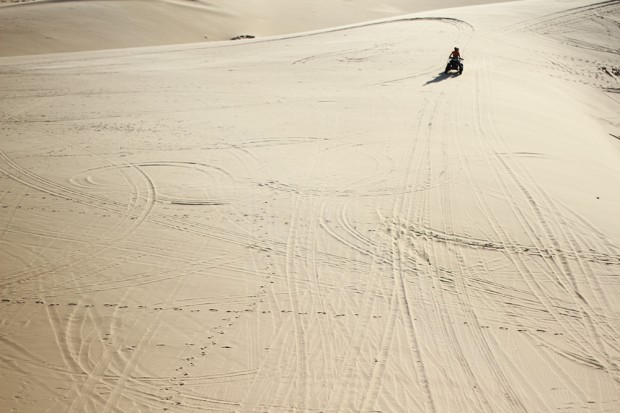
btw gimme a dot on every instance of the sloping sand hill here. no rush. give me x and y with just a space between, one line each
318 222
53 26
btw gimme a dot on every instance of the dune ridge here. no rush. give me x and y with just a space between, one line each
56 26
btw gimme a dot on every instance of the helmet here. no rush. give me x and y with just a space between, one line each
456 48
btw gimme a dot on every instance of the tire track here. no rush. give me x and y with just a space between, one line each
398 254
560 268
135 213
559 264
430 264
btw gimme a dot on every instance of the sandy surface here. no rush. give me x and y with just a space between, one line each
53 26
318 223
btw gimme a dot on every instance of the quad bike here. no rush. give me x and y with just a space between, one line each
455 63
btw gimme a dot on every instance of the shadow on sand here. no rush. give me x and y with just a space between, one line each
440 77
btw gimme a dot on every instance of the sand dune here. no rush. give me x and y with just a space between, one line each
53 26
318 222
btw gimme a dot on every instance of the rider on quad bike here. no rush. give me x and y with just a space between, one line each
455 62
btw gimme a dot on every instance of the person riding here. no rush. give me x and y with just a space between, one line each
455 62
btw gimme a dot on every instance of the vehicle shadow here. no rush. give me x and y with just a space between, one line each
440 77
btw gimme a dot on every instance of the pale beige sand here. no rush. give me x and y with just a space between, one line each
318 223
52 26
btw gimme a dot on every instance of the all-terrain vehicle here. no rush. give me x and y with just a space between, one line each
455 63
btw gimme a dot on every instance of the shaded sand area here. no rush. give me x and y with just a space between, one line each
318 223
53 26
